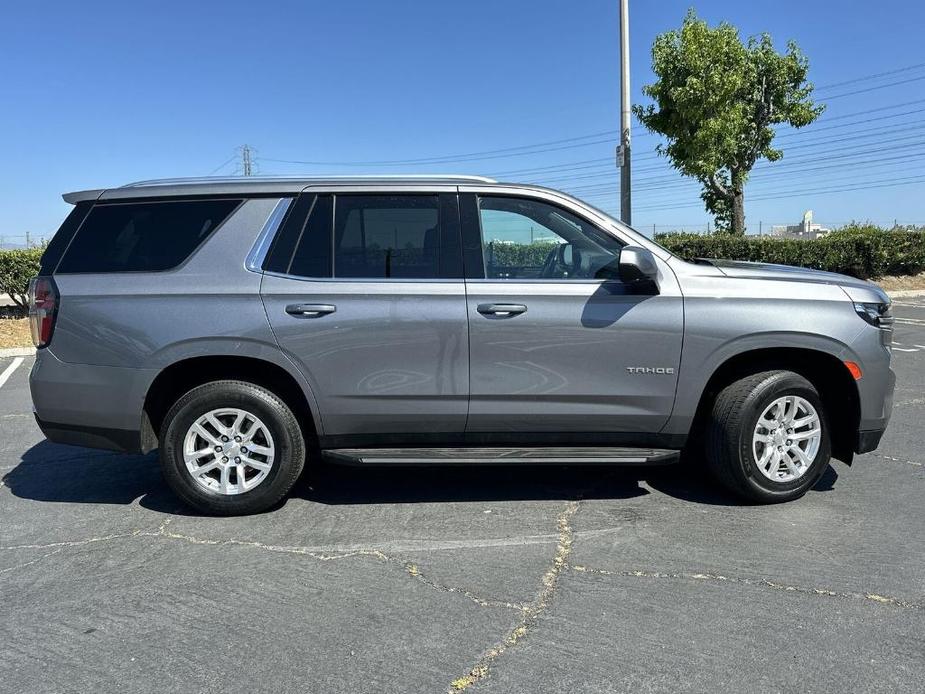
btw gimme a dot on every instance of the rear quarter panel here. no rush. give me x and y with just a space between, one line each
143 322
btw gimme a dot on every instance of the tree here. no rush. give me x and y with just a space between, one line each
17 267
716 99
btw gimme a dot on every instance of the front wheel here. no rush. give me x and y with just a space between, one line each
231 448
768 438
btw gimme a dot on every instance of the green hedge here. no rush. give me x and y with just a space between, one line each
863 251
17 267
507 255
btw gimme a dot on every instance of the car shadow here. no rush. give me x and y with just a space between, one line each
67 474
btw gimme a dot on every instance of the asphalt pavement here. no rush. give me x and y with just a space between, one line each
484 580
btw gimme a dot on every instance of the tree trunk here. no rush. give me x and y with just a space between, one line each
738 212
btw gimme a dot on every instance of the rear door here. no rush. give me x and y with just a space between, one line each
557 342
364 291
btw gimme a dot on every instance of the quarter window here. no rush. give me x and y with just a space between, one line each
143 236
529 239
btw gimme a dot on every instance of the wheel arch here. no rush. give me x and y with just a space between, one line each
828 374
181 376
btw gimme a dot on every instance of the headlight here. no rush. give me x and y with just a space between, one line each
880 316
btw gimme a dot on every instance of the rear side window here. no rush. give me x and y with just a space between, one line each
384 236
312 257
369 237
143 236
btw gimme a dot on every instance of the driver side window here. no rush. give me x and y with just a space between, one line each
529 239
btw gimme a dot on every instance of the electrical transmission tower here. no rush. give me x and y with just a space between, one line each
246 160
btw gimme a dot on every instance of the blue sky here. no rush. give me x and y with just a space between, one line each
97 94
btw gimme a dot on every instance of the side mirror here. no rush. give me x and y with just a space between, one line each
637 265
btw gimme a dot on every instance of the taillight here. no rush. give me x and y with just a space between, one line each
43 309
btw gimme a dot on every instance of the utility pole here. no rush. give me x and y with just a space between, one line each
246 160
623 154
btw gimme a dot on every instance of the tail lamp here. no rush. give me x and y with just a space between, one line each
43 309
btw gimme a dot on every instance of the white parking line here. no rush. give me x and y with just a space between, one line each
8 371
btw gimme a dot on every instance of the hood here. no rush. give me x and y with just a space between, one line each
857 290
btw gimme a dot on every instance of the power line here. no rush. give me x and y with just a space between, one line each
809 173
223 164
809 131
866 78
773 187
570 143
688 183
890 143
448 160
880 86
887 183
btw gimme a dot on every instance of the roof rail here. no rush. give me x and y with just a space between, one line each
338 177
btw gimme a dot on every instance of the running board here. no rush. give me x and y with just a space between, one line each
502 456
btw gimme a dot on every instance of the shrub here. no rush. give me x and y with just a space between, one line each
502 254
17 267
860 250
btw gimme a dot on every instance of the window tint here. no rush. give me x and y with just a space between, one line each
63 237
312 257
143 236
383 236
529 239
290 232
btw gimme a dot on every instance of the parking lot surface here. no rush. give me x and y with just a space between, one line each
495 580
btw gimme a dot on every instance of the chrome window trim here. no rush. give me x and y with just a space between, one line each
368 280
592 215
258 252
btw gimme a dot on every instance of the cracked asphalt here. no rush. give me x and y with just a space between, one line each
466 579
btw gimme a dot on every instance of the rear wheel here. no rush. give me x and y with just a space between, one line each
768 438
231 448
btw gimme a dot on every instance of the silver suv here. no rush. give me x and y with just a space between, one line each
242 326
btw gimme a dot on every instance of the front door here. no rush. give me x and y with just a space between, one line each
365 294
557 342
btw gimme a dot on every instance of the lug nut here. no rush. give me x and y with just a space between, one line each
789 442
244 450
224 460
218 449
225 438
237 460
237 438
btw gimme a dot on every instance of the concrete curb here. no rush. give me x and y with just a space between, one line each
17 352
906 293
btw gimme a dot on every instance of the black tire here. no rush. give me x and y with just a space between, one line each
282 424
729 452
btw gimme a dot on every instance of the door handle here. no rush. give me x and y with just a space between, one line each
501 310
310 310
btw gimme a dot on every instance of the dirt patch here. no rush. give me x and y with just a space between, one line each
14 332
893 284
